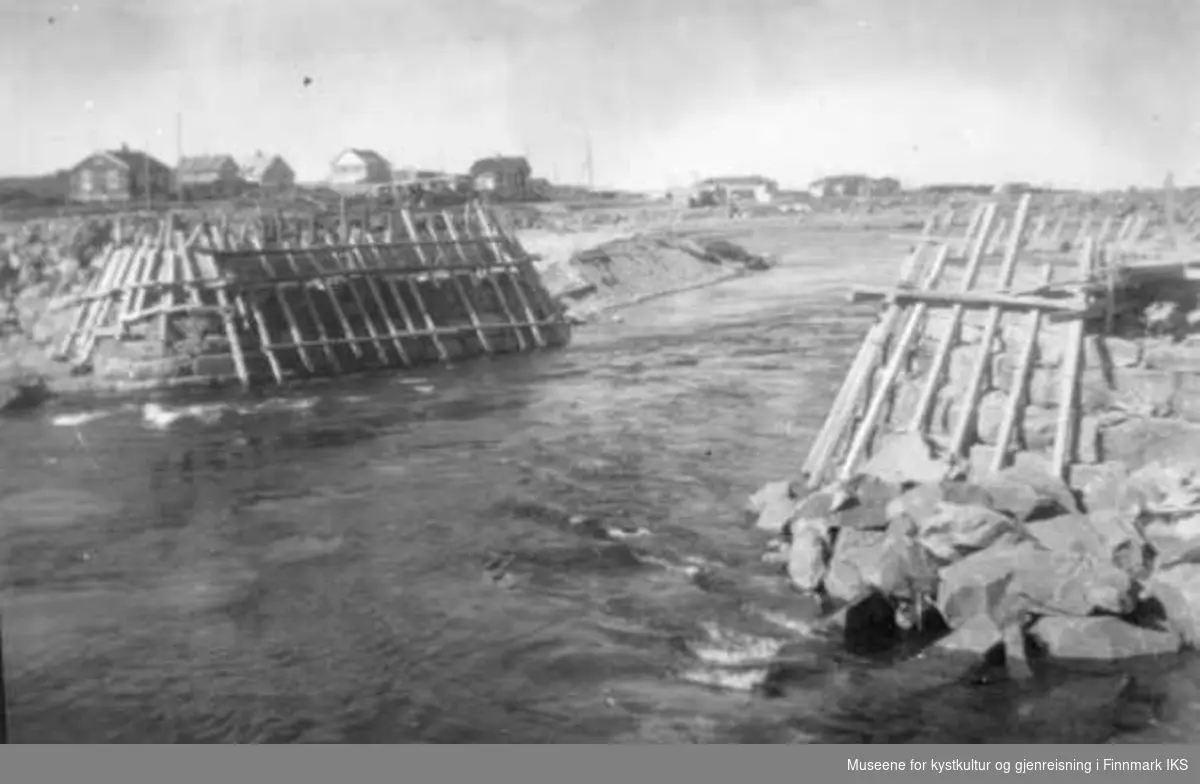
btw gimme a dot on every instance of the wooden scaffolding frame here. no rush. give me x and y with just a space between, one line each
862 408
325 305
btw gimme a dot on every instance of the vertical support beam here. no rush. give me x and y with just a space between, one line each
959 439
933 382
1066 432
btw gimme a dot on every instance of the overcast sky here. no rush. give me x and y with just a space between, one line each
1076 92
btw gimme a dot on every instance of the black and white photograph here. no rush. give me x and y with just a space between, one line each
604 372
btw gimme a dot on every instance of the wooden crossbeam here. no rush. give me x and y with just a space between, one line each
966 299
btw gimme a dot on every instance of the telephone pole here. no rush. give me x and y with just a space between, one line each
587 162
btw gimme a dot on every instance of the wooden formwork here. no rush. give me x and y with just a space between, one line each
952 274
436 287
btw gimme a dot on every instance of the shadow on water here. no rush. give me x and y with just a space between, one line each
547 548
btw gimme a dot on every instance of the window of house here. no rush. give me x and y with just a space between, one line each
114 180
85 180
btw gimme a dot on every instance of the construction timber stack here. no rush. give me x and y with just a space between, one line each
179 304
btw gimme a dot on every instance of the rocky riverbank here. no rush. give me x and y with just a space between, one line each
1101 567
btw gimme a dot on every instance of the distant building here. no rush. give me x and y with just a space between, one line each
752 187
208 177
269 173
357 170
120 176
503 177
885 186
958 188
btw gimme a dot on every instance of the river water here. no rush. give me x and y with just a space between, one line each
403 559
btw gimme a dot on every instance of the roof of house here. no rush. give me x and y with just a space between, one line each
841 178
127 158
203 164
511 164
253 167
369 157
748 179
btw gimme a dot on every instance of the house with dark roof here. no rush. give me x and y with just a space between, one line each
750 187
120 176
208 177
357 170
267 172
503 177
853 185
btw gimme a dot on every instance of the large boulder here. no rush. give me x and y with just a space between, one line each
922 500
1009 581
772 505
1100 638
878 561
1177 589
978 635
1104 535
950 532
906 458
808 554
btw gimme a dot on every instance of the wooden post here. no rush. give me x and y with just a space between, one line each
983 362
194 279
411 230
1066 432
920 419
328 287
489 231
356 262
298 341
856 379
253 311
462 256
1018 393
311 305
897 361
342 218
398 300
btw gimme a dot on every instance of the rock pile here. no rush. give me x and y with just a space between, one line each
1106 568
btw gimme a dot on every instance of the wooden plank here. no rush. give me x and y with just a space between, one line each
252 314
411 231
933 381
226 309
842 410
1018 393
99 317
310 305
490 230
900 354
393 288
361 304
522 345
290 317
464 297
1066 432
331 293
959 439
343 247
968 299
112 257
356 259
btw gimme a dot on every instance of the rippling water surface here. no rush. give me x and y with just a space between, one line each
547 548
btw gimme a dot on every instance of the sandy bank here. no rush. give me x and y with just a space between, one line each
598 271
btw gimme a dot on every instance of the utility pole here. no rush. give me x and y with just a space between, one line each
146 172
587 162
1169 187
